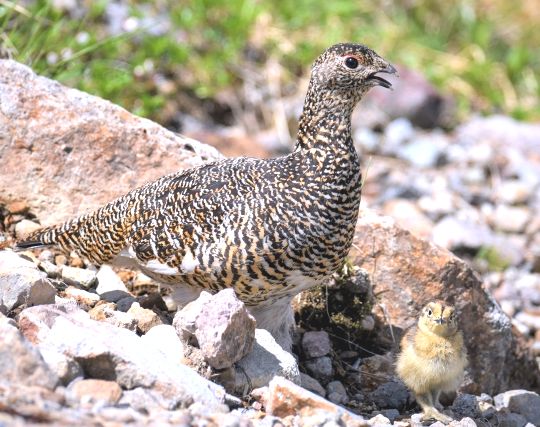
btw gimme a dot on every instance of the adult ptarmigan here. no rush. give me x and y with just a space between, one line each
267 228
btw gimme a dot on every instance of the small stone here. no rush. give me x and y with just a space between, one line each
17 207
185 320
392 394
320 368
108 281
164 339
50 269
46 255
125 303
452 232
311 384
510 219
225 330
424 151
60 259
391 414
80 277
22 283
336 393
523 402
91 391
106 313
82 297
464 422
25 227
379 421
153 300
285 398
66 368
466 405
146 319
510 419
367 323
397 133
266 360
22 363
316 344
513 192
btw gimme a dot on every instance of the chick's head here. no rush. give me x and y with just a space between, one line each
438 318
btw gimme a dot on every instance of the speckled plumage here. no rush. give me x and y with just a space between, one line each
267 228
433 358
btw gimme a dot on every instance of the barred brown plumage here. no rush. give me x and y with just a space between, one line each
267 228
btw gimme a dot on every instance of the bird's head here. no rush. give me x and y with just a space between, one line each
438 318
350 70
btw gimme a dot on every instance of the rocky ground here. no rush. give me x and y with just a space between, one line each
108 347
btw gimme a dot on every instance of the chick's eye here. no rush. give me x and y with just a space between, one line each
429 312
351 62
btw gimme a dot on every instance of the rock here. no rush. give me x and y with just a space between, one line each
320 368
424 151
509 419
452 233
392 394
82 297
65 368
22 363
106 313
510 219
391 414
25 227
311 384
466 405
285 398
79 277
336 393
513 192
125 303
316 344
146 319
397 133
264 362
377 370
22 283
52 270
464 422
91 391
164 339
523 402
379 420
185 320
110 353
415 272
68 154
223 328
409 216
109 286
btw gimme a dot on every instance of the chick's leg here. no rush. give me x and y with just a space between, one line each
425 401
435 394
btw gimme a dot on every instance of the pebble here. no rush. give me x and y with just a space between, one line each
320 368
79 277
25 227
106 312
82 297
510 219
311 384
522 402
316 344
109 282
146 319
91 391
336 393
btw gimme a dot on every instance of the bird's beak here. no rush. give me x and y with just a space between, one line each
440 320
379 81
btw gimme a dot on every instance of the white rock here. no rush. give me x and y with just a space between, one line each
81 296
396 133
511 219
513 192
164 339
81 277
424 151
22 283
453 232
523 402
66 368
25 227
108 281
266 360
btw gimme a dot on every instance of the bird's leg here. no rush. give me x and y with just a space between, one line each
425 401
435 394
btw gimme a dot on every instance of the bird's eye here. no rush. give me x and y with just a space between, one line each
429 312
351 62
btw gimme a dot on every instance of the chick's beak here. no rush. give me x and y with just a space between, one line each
440 320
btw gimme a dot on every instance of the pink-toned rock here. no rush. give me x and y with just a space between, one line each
61 148
92 391
407 272
146 319
285 398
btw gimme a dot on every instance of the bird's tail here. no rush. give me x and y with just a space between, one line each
98 236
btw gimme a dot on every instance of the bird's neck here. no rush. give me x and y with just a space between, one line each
325 122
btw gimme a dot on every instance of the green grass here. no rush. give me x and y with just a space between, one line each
486 54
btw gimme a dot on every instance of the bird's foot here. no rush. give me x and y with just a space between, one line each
433 413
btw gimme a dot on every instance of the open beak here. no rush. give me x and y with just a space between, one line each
378 80
440 320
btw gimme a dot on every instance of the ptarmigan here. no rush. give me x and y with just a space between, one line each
267 228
